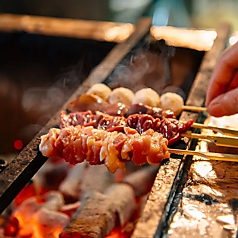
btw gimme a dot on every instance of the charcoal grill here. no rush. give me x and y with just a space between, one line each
166 191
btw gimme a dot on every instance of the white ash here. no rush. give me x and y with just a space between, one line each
50 175
48 222
54 200
122 201
71 185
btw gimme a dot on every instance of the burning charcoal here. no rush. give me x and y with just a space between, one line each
70 209
54 200
93 219
121 199
98 212
48 223
96 178
24 213
72 183
11 228
51 174
142 180
27 192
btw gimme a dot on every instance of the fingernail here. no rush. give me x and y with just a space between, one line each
215 109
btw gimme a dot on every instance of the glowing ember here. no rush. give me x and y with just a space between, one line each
40 211
24 214
118 233
27 192
47 223
12 227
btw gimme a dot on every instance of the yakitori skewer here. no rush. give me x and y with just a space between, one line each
207 155
194 108
227 141
226 131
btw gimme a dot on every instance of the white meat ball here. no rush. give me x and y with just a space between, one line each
101 90
147 96
121 95
172 101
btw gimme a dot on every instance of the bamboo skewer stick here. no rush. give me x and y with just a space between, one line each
194 108
207 155
226 141
226 131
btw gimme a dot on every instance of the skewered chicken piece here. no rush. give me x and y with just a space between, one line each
170 128
98 146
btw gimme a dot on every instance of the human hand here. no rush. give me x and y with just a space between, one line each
222 93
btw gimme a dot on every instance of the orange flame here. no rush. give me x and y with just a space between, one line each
117 232
40 231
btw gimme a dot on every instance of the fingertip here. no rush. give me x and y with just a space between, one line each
224 105
215 109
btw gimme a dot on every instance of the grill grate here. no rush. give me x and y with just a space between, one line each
170 178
